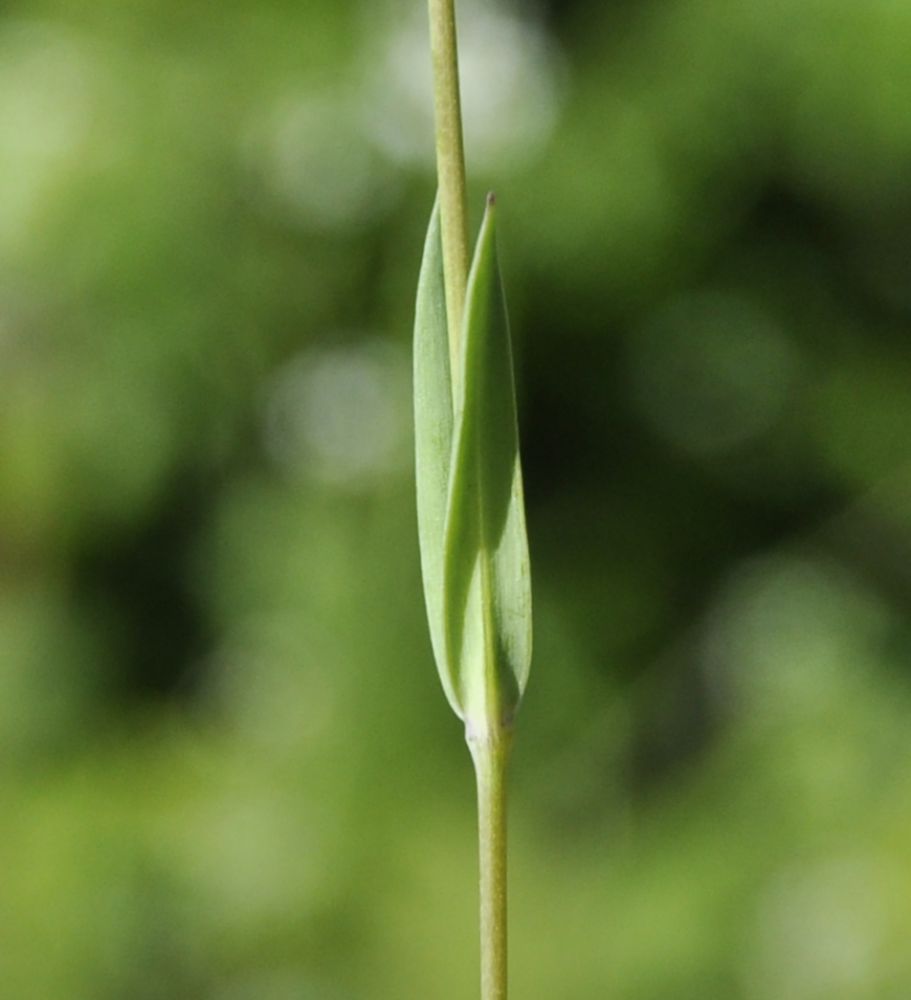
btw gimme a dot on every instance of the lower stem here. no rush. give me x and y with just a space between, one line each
490 760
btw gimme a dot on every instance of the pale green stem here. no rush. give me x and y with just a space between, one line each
450 169
489 754
490 758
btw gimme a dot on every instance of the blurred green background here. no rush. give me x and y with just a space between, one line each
227 770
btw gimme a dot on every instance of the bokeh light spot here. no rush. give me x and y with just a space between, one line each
339 415
512 85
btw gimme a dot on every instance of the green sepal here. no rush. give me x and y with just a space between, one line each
433 424
487 578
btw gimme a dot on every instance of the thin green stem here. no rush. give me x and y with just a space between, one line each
490 758
450 169
490 752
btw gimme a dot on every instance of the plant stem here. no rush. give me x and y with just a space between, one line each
489 753
490 758
450 169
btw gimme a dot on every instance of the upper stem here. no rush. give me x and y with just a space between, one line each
450 170
490 759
